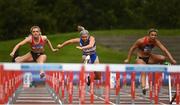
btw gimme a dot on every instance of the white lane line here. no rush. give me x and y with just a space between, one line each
98 97
34 97
146 98
39 101
102 98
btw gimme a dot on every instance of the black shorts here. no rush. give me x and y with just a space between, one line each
145 59
36 55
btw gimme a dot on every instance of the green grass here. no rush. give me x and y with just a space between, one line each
70 54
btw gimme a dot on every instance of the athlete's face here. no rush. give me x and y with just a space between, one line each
84 37
153 35
35 32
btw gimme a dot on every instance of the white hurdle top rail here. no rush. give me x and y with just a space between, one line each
90 67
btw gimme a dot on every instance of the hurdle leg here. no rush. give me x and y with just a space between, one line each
2 96
63 86
150 86
70 87
133 75
82 86
107 85
124 79
177 87
92 87
117 87
156 88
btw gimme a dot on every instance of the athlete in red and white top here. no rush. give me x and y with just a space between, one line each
144 54
37 43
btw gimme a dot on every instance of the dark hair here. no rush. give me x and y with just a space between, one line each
152 30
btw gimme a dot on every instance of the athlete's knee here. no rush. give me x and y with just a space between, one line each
41 59
18 60
162 59
44 56
139 61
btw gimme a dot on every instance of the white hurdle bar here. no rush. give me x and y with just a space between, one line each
91 67
67 67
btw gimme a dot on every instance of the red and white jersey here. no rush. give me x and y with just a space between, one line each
37 46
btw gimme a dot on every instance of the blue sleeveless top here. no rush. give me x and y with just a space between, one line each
90 51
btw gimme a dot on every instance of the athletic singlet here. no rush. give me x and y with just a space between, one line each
90 50
38 46
146 47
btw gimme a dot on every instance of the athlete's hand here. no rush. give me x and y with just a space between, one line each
12 54
59 46
173 62
126 61
55 50
78 47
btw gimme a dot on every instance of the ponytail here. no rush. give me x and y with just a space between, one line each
80 28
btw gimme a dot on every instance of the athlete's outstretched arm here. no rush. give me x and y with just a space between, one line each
50 45
164 49
90 45
71 41
131 50
26 40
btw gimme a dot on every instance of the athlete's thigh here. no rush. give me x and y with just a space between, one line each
41 58
143 74
83 58
25 58
140 61
156 59
96 60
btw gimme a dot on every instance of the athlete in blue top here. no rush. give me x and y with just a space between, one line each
144 54
87 45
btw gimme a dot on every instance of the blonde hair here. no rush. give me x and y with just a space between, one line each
33 27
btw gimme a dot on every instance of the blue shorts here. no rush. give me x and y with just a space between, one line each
92 58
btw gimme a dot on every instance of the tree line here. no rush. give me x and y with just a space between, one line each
53 16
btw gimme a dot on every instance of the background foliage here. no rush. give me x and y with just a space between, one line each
54 16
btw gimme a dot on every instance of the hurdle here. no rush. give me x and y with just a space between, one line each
10 80
60 77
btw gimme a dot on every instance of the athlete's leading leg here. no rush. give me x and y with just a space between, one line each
156 59
97 78
143 76
97 74
25 58
41 59
97 60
